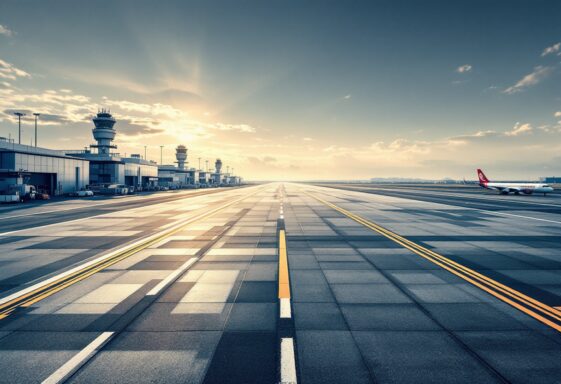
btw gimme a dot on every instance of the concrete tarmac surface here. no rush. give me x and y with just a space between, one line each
283 283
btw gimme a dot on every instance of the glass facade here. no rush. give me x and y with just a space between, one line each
107 172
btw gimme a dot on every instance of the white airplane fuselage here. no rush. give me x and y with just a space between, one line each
517 188
526 188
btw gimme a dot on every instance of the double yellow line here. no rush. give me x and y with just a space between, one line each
43 291
544 313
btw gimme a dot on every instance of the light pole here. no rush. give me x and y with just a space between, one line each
145 152
19 115
161 154
199 163
36 117
206 161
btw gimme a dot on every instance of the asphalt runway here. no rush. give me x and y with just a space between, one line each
40 213
288 283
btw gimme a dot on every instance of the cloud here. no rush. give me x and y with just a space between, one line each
552 49
269 163
478 135
533 78
10 72
347 97
44 118
402 146
135 127
557 114
244 128
175 118
519 129
6 31
464 68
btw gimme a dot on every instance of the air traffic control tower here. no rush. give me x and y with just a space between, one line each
181 156
112 168
104 133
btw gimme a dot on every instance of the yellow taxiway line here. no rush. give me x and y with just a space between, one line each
548 315
45 290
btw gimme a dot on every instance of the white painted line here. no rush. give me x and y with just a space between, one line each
285 311
172 277
114 200
104 203
78 360
49 225
485 211
52 211
497 198
89 217
288 361
521 216
179 224
282 217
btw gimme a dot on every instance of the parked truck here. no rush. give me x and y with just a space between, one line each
18 193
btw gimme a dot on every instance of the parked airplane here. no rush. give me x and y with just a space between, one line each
516 188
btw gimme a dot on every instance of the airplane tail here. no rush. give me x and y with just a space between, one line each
482 178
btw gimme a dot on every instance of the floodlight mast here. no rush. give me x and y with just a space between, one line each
19 115
36 117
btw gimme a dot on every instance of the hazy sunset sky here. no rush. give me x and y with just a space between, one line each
296 89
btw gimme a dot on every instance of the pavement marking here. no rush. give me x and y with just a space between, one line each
521 216
288 361
482 197
37 292
89 217
172 277
78 360
285 311
114 200
496 213
284 281
548 315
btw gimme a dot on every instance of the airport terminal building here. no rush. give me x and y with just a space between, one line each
110 168
48 170
58 172
178 176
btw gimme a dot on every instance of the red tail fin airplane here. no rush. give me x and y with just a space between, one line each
516 188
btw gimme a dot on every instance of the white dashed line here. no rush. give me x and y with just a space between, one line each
81 358
285 311
172 277
288 361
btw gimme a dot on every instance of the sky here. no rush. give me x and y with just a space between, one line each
292 90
